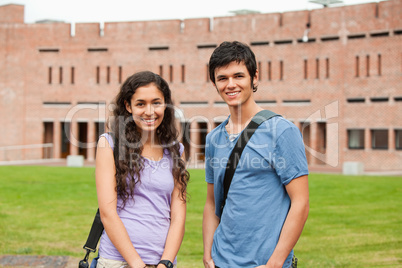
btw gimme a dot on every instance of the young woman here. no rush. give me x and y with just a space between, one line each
141 178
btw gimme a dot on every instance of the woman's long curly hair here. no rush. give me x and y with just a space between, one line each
127 137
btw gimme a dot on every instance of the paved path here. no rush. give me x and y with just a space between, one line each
22 261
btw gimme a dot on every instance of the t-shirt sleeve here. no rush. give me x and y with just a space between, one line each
290 155
181 149
209 172
109 139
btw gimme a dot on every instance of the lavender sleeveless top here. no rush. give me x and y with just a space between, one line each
147 217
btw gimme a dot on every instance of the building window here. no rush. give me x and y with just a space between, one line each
398 139
379 64
207 46
305 69
97 49
327 68
357 66
60 75
356 36
379 99
108 74
259 70
161 70
283 42
41 50
317 68
120 74
329 38
259 43
65 138
356 138
50 75
97 74
269 71
368 65
171 73
183 73
379 139
281 70
159 48
72 75
207 72
356 100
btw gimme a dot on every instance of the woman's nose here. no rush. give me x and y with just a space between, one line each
149 110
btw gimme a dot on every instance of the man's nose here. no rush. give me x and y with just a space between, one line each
231 83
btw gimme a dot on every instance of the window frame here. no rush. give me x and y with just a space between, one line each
373 139
361 135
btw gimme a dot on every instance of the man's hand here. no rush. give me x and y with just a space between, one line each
268 266
209 264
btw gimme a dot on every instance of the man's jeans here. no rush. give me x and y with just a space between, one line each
294 263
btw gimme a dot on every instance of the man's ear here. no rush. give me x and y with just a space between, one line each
255 80
128 107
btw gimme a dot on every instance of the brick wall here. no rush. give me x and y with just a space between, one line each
317 83
12 14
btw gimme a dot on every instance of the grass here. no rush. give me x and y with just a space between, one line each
354 221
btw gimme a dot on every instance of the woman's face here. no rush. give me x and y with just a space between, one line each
147 107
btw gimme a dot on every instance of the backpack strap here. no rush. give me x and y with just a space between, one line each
241 143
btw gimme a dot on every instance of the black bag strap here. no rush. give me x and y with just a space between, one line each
234 158
93 239
94 234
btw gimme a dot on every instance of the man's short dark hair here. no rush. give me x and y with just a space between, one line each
235 51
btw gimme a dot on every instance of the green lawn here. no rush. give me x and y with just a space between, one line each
354 221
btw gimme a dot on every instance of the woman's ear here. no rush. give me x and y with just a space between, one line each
128 107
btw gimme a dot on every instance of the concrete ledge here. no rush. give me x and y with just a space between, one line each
75 161
353 168
38 261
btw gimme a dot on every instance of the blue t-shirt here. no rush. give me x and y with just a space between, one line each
257 203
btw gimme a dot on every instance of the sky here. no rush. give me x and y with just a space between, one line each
72 11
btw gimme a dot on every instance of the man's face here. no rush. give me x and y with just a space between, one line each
233 83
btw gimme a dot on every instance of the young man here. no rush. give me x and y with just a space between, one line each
267 204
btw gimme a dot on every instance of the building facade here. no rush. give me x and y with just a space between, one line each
335 72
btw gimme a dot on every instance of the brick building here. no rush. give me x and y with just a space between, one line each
341 85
